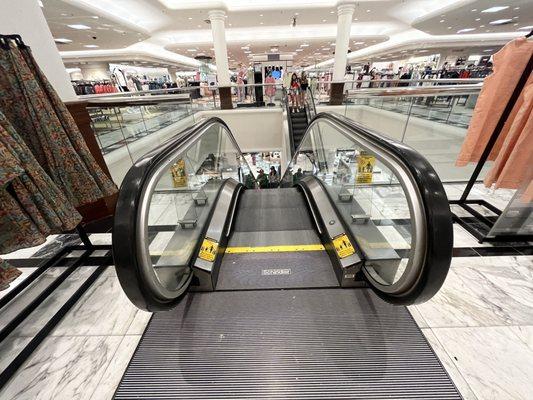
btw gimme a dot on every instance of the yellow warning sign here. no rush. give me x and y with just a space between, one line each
365 168
179 176
208 251
343 246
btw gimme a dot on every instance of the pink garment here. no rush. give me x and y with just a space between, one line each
513 164
509 63
270 91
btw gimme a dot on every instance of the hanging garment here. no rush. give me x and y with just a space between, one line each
513 163
31 205
38 115
509 63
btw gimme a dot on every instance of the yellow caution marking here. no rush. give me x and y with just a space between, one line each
208 251
343 246
275 249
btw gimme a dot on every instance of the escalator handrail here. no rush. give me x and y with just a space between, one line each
128 240
436 211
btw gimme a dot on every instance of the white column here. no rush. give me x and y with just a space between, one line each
345 11
217 18
24 17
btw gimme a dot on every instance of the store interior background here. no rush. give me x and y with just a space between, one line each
96 49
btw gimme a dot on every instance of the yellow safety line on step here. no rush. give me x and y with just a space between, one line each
274 249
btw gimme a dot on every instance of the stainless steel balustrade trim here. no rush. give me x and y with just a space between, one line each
417 211
414 91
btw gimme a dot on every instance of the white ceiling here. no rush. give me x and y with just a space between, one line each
166 31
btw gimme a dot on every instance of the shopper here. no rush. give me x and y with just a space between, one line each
262 179
273 178
304 84
297 177
294 91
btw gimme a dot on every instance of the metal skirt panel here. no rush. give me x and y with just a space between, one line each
285 344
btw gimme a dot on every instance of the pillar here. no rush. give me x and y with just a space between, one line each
217 18
345 11
24 17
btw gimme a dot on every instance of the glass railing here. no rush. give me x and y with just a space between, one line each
389 196
431 119
164 203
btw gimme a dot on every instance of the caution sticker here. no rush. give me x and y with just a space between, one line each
365 168
343 246
208 251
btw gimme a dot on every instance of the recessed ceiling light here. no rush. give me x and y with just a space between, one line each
466 30
191 50
500 21
304 45
299 49
260 15
95 17
355 19
478 19
91 46
323 20
40 3
515 17
356 43
516 24
62 40
475 9
526 28
367 10
481 26
332 12
489 50
442 20
516 8
260 23
79 26
449 27
494 9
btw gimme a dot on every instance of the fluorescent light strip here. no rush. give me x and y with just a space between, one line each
500 21
79 26
494 9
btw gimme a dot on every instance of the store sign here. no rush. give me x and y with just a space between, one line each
179 176
343 246
208 251
365 168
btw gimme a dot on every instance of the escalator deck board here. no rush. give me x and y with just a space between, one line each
286 344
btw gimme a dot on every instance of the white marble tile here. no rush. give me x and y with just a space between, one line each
103 310
10 347
462 238
36 320
483 291
493 362
63 368
25 273
100 238
449 365
393 237
139 323
160 242
116 368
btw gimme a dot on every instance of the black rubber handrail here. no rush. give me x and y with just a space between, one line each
125 229
438 217
289 121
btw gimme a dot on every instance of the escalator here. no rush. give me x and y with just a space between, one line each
289 292
299 119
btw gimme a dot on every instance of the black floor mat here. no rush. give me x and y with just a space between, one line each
285 344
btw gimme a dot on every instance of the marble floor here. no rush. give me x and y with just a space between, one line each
480 325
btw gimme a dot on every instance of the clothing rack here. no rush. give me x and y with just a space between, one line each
481 225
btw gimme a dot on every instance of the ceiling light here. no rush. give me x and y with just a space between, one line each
260 23
442 20
478 19
466 30
332 12
355 19
191 50
299 49
40 3
526 28
260 15
494 9
95 17
489 50
449 27
475 9
515 17
481 26
62 40
323 20
356 43
91 46
79 26
500 21
515 24
304 45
